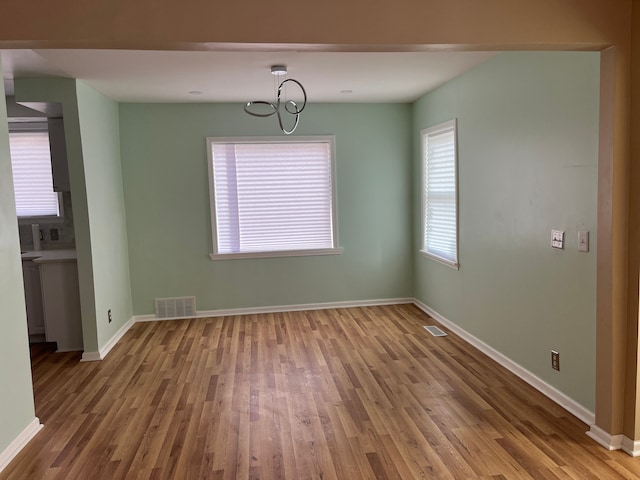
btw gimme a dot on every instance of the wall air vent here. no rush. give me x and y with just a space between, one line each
176 307
435 331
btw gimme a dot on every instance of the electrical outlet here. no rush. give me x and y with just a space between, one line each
555 360
109 315
53 233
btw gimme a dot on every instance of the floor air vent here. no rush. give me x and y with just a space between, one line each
175 307
435 331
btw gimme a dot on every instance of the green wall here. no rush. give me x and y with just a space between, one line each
16 397
168 216
527 144
100 137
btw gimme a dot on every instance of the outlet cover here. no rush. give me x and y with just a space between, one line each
557 239
555 360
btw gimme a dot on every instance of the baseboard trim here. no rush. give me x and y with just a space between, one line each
90 357
19 443
104 351
557 396
630 446
608 441
281 308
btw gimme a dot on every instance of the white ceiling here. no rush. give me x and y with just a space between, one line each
170 76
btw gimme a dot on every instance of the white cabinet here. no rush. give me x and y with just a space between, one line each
61 302
58 148
33 298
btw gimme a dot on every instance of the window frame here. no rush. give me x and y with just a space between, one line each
329 139
35 124
424 134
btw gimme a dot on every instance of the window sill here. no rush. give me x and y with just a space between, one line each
284 253
40 220
455 266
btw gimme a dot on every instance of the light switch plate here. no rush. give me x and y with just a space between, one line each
583 241
557 239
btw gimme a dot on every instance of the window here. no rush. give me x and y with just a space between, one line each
272 197
32 179
440 196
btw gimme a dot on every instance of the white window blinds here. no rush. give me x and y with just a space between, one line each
272 196
440 214
31 165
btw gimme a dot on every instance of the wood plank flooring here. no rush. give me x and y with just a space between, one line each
348 394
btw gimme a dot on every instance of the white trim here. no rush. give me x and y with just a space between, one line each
273 139
281 253
443 261
610 442
631 447
614 442
102 353
116 338
557 396
91 357
281 308
19 443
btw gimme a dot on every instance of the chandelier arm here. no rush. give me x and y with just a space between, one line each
304 93
248 105
294 105
284 130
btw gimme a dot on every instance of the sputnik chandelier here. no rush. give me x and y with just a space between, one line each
256 108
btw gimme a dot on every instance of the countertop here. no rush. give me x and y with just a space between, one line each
50 256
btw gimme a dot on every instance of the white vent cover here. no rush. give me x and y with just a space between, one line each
175 307
435 331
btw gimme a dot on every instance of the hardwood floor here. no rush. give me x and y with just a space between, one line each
348 394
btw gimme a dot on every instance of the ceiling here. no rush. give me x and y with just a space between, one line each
223 76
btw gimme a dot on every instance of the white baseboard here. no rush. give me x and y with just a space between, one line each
90 357
116 338
19 442
631 447
281 308
557 396
614 442
608 441
102 353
